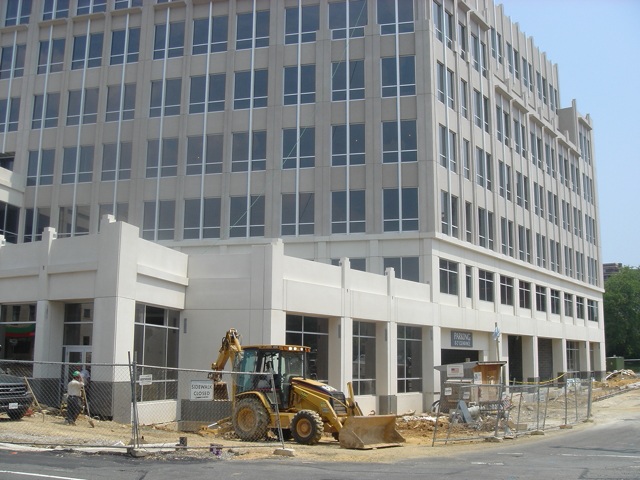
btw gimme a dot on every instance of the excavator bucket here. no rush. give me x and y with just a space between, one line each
364 433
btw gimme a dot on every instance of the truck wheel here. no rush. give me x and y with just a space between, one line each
250 419
307 427
286 433
16 414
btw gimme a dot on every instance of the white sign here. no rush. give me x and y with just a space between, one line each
145 379
455 370
201 390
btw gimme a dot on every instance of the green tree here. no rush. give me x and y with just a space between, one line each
622 313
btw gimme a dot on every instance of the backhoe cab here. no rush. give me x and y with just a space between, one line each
303 407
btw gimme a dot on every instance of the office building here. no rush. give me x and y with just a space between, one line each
417 149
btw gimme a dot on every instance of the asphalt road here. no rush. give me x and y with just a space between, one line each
605 450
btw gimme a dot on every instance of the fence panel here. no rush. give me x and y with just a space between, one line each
125 406
506 411
39 411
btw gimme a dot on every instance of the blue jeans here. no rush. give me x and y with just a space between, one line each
74 407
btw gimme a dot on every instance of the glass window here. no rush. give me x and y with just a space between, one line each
364 358
249 154
247 216
400 209
485 228
394 67
156 342
55 9
202 218
298 147
204 158
77 164
447 150
78 324
525 295
307 81
210 34
568 305
125 46
199 100
485 285
308 17
116 161
40 168
555 301
541 298
409 359
51 56
9 114
351 14
86 7
448 277
347 145
348 211
449 214
169 40
580 307
404 151
77 112
119 106
17 12
45 115
165 159
74 221
9 219
297 214
506 290
159 220
394 14
245 27
170 105
242 91
312 332
87 56
406 268
438 20
347 85
17 333
12 61
507 243
120 4
36 220
120 211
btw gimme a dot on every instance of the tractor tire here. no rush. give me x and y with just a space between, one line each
307 427
250 419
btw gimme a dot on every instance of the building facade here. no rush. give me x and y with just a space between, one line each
410 139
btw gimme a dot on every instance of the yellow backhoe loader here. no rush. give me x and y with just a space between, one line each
302 407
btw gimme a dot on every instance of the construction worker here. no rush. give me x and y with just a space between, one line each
74 398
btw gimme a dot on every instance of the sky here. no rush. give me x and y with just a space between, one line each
596 44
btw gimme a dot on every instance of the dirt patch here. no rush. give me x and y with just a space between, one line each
39 429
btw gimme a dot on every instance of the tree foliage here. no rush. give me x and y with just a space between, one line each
622 313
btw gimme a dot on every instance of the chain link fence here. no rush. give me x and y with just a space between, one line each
135 406
489 412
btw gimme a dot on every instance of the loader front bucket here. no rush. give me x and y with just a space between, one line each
364 433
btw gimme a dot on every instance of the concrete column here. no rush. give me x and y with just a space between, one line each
431 355
343 329
559 347
530 367
583 356
49 332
